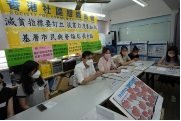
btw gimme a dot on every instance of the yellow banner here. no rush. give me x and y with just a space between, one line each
33 23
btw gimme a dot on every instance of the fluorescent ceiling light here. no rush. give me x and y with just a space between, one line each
141 2
97 14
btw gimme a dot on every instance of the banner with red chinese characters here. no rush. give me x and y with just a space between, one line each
31 23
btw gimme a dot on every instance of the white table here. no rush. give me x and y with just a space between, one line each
154 71
146 64
77 102
74 103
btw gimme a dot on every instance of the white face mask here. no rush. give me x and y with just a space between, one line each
36 75
171 55
1 87
88 62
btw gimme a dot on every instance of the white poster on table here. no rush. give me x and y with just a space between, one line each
138 101
124 43
142 46
157 49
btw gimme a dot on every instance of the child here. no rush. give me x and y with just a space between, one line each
134 54
171 60
33 89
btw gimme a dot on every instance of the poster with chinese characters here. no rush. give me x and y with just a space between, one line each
30 23
42 53
18 56
74 48
157 49
60 50
137 100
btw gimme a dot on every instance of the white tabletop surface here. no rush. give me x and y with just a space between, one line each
77 102
154 70
74 103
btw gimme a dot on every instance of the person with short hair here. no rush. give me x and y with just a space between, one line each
134 54
84 71
124 59
6 101
106 63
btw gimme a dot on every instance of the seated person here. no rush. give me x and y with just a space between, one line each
33 89
124 59
134 54
84 71
6 101
171 60
105 62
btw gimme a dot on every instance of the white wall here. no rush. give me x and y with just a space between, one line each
103 27
136 12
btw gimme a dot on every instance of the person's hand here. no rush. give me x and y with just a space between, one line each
133 60
117 71
170 66
115 68
97 74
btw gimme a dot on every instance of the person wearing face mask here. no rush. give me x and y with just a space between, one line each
6 101
123 59
105 62
33 89
170 60
84 71
134 54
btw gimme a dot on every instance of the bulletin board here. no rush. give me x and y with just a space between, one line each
142 46
120 44
149 32
157 49
138 101
33 23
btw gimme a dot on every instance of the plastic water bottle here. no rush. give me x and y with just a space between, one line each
13 79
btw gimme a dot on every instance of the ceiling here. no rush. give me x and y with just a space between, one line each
113 5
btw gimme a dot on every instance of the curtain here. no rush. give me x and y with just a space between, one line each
177 31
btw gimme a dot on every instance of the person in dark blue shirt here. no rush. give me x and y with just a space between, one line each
134 54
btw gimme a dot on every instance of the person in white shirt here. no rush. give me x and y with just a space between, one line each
84 72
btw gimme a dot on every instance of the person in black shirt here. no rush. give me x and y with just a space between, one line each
6 101
134 54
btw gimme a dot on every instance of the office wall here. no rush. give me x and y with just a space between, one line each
136 12
103 27
156 9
